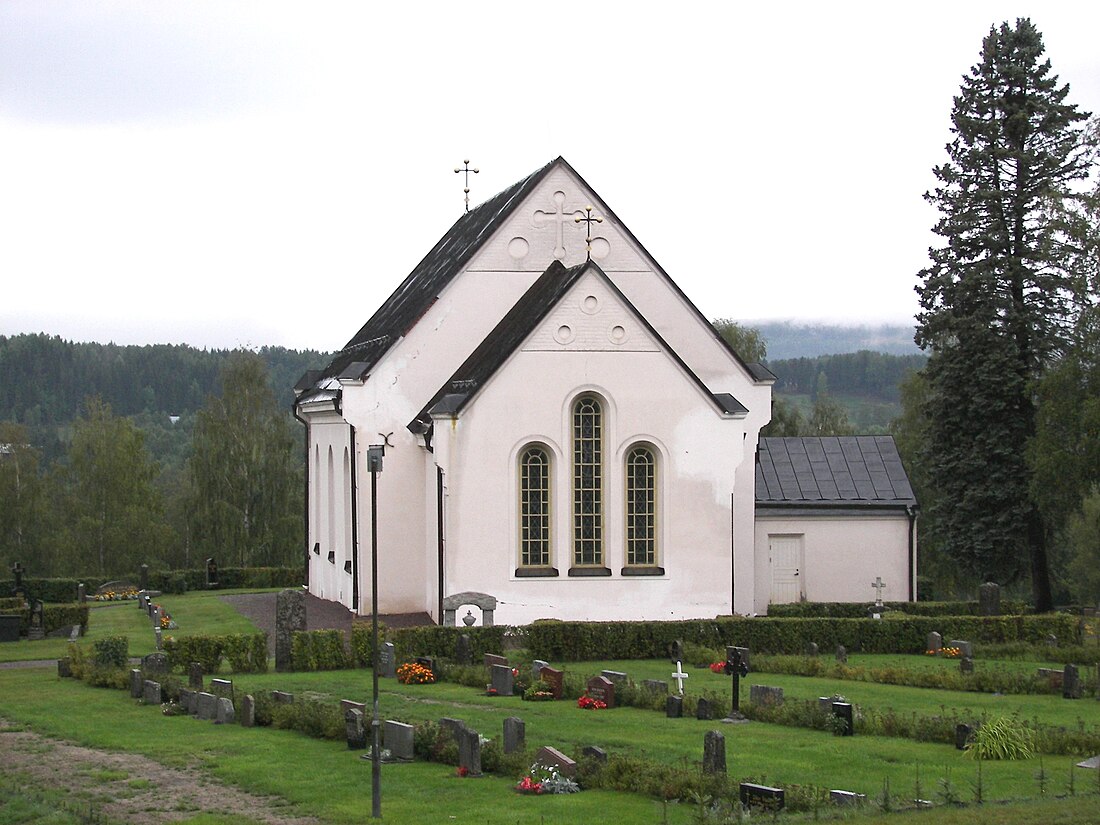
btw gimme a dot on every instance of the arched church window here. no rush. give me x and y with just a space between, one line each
587 483
641 507
534 507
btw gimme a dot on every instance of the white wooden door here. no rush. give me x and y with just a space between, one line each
785 558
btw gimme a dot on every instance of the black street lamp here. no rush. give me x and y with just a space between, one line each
374 466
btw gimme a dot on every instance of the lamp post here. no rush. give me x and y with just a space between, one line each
374 466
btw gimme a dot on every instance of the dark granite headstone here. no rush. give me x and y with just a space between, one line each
355 730
290 617
714 752
989 599
248 711
64 668
222 688
9 628
137 684
1071 683
194 676
211 573
37 629
463 655
155 663
427 662
398 738
18 591
224 714
206 706
703 709
281 697
469 750
616 676
765 695
963 733
550 757
846 798
536 668
762 796
966 649
844 712
596 753
674 707
491 659
655 686
515 734
82 593
151 692
453 725
934 642
503 680
387 661
554 678
144 576
966 665
603 689
187 699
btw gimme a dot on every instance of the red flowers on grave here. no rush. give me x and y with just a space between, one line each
587 702
718 667
529 785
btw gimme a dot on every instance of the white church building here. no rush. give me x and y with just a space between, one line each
566 436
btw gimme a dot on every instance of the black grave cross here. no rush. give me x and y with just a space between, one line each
736 668
588 218
465 169
18 570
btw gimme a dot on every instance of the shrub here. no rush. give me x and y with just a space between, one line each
318 650
206 650
321 720
114 651
246 652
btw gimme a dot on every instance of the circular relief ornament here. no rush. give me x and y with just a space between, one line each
601 248
617 334
564 334
590 304
518 248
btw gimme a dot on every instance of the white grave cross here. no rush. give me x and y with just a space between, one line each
679 677
878 584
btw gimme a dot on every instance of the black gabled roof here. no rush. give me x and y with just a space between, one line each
831 471
518 323
420 289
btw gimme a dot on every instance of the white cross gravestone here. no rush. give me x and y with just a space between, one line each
679 676
878 584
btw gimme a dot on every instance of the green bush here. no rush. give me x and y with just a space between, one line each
410 642
362 642
206 650
321 720
1005 737
858 610
246 652
114 651
318 650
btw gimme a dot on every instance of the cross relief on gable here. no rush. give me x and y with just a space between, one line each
556 217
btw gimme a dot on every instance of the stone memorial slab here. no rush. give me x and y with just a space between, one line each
355 731
966 649
1071 683
765 695
502 680
515 734
194 676
453 725
154 663
206 706
674 707
491 659
603 689
281 697
934 642
550 757
1053 677
9 628
64 668
348 704
159 635
225 715
290 618
989 599
222 688
469 750
762 796
966 665
187 699
398 738
842 654
714 752
676 651
845 712
596 753
143 576
847 797
137 684
616 676
1092 763
463 655
82 593
963 732
812 649
704 710
554 678
536 669
655 686
151 692
387 661
248 711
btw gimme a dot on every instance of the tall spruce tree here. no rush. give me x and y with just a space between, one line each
999 300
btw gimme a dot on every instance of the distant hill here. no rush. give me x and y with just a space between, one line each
787 339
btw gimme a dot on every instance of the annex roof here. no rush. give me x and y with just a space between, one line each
862 471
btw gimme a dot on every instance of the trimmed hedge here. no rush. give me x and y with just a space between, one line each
167 581
858 610
318 650
54 616
410 642
245 652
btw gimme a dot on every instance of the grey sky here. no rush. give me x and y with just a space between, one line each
230 173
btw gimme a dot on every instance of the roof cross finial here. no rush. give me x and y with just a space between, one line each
465 168
589 219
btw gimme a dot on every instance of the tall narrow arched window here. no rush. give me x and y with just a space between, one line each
641 507
587 483
534 508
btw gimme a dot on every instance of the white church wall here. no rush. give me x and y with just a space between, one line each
328 441
842 556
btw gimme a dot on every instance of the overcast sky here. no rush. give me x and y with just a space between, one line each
246 173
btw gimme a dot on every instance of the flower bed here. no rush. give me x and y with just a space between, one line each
412 673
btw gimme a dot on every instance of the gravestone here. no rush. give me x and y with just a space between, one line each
82 593
222 688
225 715
211 573
550 757
187 699
248 711
64 668
1054 677
387 661
503 680
194 677
676 651
674 707
426 662
453 725
714 752
766 696
1071 683
491 659
655 686
966 649
151 692
154 663
963 732
762 796
37 629
348 704
206 706
966 665
469 750
703 709
736 667
603 689
159 634
934 642
616 676
536 669
812 649
554 678
354 730
989 599
18 591
844 712
290 617
281 697
398 738
595 753
137 684
9 628
842 654
463 655
515 734
847 798
679 676
1051 640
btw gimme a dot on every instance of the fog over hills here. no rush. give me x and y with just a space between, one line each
800 339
